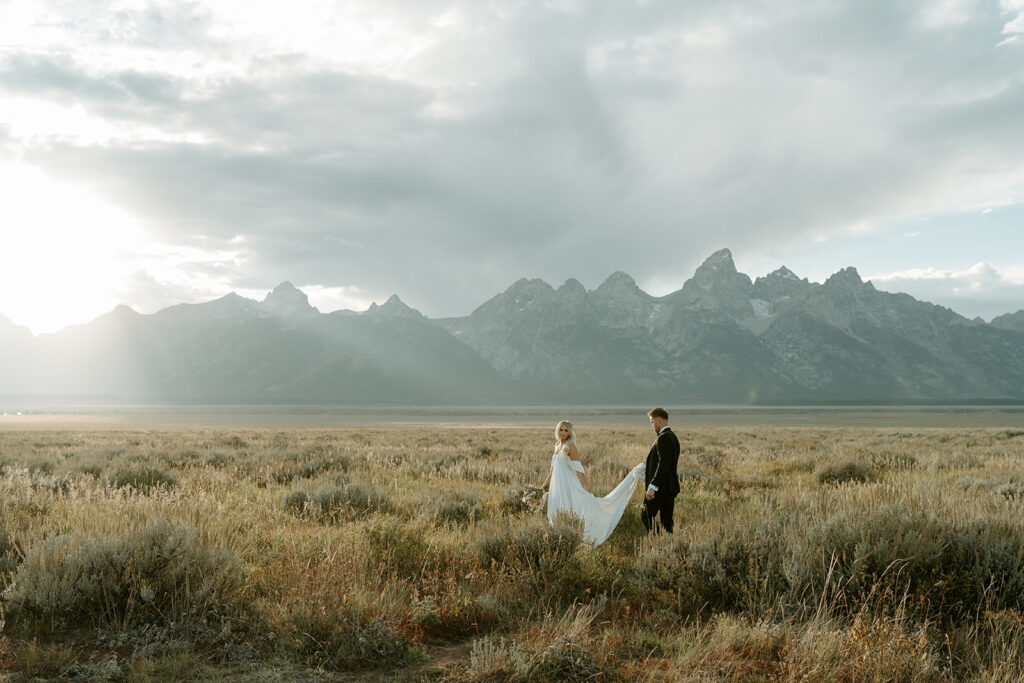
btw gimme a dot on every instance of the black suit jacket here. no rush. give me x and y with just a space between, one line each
662 462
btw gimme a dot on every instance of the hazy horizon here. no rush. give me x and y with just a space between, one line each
682 417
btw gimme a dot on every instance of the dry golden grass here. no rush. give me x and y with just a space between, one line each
800 554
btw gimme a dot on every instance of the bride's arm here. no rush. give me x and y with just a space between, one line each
548 480
575 455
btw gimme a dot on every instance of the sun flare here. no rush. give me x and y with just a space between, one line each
64 251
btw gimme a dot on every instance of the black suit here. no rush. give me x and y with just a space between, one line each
662 462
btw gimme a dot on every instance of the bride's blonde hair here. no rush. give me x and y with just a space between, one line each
559 446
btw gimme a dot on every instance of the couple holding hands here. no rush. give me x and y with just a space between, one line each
569 490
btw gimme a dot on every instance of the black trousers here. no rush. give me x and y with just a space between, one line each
661 506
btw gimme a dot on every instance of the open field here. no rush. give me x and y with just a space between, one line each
403 553
33 415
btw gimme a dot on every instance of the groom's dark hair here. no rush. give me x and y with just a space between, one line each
658 412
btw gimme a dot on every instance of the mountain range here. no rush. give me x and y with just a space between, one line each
722 337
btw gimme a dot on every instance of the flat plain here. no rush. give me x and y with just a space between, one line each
809 546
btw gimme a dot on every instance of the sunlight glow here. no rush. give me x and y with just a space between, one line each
26 119
329 299
366 41
62 250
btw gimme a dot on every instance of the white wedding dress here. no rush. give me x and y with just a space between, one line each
599 515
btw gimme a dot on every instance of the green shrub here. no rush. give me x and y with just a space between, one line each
893 460
959 461
1009 490
844 553
696 474
950 565
461 508
177 666
442 465
218 459
103 670
710 458
537 546
843 472
330 502
216 641
43 662
234 441
345 639
731 567
41 467
424 613
365 499
286 467
93 469
489 608
511 502
557 650
295 502
396 546
142 477
566 660
161 572
9 556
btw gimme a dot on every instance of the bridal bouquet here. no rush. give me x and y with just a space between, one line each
533 497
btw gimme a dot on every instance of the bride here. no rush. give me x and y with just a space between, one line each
570 491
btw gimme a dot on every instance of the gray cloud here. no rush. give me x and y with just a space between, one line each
9 147
546 142
981 290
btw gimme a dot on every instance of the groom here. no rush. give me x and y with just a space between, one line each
660 477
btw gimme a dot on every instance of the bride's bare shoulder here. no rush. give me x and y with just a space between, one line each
573 453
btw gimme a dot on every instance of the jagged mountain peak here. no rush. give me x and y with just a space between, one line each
231 305
523 294
230 302
717 270
1010 321
394 307
618 282
286 291
524 291
619 302
572 293
288 300
716 285
117 316
124 311
718 274
784 273
780 284
524 284
847 277
720 338
721 260
620 276
572 286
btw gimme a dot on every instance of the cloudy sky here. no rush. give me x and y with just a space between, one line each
157 152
